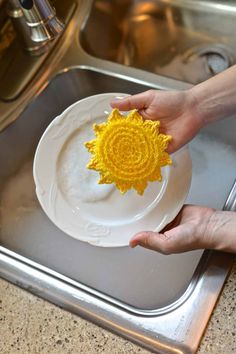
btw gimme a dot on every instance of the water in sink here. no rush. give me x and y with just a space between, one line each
24 224
25 227
141 278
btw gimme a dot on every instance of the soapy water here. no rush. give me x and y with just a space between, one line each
18 199
79 185
75 181
214 169
19 191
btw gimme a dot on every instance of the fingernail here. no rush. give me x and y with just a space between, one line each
117 99
133 244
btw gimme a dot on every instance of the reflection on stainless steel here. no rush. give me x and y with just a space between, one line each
41 18
217 57
17 17
168 309
22 58
230 203
156 35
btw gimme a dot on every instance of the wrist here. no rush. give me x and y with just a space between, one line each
220 233
199 114
214 98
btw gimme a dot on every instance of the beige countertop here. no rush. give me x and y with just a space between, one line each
30 325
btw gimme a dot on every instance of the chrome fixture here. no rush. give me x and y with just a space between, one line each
29 30
35 22
42 20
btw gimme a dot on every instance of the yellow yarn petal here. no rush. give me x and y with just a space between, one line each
134 116
115 115
128 151
91 145
99 128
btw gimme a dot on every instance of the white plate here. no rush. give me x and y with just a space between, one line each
67 190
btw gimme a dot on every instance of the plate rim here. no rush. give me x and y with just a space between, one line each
94 241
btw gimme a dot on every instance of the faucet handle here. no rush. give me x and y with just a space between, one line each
41 19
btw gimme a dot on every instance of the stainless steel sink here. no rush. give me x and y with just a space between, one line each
160 302
119 273
133 282
185 39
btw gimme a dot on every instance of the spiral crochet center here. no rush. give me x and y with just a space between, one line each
128 151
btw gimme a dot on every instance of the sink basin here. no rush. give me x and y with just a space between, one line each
134 288
160 302
26 230
186 40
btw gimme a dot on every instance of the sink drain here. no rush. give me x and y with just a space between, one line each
216 58
216 62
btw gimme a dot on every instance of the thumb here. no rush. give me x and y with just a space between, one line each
138 102
160 242
181 238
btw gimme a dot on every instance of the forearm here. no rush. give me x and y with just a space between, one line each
221 232
215 98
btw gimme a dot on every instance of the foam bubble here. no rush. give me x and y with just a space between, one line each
76 182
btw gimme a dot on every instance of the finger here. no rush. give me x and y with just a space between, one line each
138 101
151 240
177 240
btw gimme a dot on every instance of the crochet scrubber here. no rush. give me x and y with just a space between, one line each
128 151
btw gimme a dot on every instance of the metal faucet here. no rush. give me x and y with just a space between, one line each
41 18
35 22
29 32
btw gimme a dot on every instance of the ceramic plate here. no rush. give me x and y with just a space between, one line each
69 194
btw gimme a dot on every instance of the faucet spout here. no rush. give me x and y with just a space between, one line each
42 20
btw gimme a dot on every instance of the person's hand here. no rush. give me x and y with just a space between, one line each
195 227
176 111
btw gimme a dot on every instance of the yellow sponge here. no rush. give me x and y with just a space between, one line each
128 151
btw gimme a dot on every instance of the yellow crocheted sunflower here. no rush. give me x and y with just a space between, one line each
128 151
